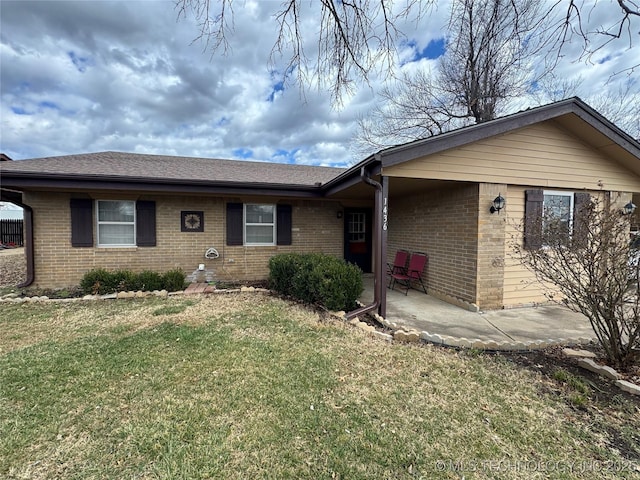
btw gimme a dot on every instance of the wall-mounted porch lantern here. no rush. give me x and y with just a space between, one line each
339 214
498 204
628 209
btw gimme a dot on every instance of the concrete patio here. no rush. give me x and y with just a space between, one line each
527 325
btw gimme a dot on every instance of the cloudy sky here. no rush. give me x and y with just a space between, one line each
87 76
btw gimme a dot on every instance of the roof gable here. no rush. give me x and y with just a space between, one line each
573 114
544 154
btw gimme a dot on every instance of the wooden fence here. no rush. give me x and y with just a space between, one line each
11 232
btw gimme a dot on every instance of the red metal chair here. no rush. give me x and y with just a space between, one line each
399 264
413 273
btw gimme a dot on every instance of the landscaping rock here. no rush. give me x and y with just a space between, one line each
125 295
367 328
247 289
603 370
461 342
629 387
432 338
491 345
383 336
573 353
413 336
400 335
410 337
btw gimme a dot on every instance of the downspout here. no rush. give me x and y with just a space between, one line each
28 243
377 264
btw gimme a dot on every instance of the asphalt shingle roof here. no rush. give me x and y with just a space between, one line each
163 167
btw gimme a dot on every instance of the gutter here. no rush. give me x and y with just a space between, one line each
378 271
28 245
35 180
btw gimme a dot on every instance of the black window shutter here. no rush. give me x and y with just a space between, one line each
581 202
81 222
534 200
283 224
234 224
145 223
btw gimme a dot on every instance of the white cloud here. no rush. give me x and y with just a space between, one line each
91 76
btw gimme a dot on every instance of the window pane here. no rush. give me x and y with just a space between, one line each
558 206
356 224
114 211
116 234
259 214
557 217
259 234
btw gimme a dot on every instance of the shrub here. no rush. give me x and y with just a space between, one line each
150 281
100 281
316 278
173 280
96 282
282 269
123 281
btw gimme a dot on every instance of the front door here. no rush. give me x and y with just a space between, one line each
357 237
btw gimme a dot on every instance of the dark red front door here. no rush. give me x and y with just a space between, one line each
357 237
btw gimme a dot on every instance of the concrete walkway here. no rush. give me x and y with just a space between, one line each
544 325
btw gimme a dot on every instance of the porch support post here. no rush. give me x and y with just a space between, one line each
381 249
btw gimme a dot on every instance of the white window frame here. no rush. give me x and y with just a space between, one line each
99 223
560 193
272 224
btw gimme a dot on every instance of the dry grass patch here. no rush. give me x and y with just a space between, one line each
250 386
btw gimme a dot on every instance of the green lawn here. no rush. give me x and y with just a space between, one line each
249 386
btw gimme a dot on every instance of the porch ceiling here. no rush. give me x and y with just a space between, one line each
398 187
402 186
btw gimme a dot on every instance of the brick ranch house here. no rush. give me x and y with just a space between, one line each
130 211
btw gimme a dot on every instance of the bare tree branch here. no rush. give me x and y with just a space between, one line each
619 105
594 39
487 62
358 37
355 39
593 270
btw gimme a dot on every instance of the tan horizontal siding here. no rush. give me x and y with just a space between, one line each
542 155
520 284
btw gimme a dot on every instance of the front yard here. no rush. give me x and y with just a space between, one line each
250 386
